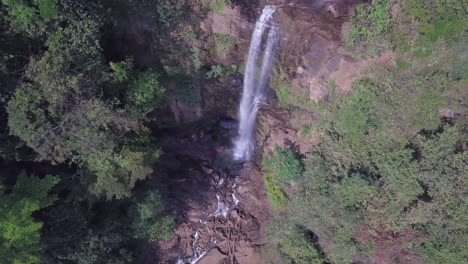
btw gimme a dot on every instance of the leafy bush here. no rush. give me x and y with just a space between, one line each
357 116
218 5
196 57
142 89
169 11
47 9
149 220
371 28
221 70
145 92
284 166
279 169
30 17
300 249
274 192
278 84
224 43
188 91
305 130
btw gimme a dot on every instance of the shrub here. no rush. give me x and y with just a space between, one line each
224 43
143 89
218 5
357 116
274 192
305 130
221 70
169 11
284 166
145 92
149 220
278 84
300 249
196 57
187 90
47 9
371 28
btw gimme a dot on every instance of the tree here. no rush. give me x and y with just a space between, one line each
149 220
297 246
283 165
65 112
19 233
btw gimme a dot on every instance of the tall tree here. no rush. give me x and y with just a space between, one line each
19 233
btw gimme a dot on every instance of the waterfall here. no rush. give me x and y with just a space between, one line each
257 73
258 67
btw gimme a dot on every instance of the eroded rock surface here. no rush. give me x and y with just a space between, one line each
221 205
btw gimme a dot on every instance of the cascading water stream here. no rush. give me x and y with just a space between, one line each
257 74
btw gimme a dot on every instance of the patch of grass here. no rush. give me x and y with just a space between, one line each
217 5
274 192
305 130
436 20
284 166
278 84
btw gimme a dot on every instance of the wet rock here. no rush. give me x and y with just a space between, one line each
228 124
206 170
214 256
235 169
337 8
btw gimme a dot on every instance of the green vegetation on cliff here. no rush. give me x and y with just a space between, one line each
388 180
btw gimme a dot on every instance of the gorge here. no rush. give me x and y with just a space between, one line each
233 131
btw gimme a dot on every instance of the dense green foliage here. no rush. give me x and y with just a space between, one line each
388 163
284 166
217 5
300 249
148 221
169 11
377 26
77 101
280 169
388 180
19 232
371 28
223 43
73 107
221 70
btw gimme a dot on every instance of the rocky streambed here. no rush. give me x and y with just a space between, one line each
220 204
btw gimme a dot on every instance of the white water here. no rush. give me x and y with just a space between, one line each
257 74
